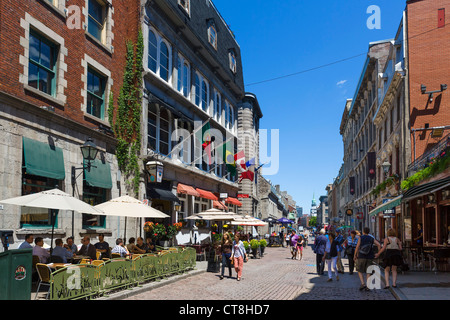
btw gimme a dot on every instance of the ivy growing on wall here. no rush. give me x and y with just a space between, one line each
125 117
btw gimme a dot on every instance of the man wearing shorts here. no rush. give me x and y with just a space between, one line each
364 255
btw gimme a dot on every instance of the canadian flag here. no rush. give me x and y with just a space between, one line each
239 159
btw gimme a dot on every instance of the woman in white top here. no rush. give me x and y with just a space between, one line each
238 256
393 257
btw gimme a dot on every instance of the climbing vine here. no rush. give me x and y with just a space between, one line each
125 117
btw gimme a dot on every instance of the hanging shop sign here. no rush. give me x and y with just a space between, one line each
155 171
349 212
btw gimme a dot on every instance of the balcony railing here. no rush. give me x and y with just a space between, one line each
434 152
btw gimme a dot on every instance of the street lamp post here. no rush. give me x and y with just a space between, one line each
89 151
386 167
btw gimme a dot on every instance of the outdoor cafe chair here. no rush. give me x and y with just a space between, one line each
56 259
97 262
98 254
85 261
115 255
44 272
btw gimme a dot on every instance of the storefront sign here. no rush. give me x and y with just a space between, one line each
243 196
224 195
390 213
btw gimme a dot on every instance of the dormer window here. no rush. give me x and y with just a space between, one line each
212 34
185 4
232 57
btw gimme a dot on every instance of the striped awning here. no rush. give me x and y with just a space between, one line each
386 206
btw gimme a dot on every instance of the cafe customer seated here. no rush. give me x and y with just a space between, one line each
87 249
133 248
61 251
120 248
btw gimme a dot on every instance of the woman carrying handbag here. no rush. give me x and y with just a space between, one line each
393 257
350 245
238 256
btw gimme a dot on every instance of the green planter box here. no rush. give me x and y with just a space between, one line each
15 278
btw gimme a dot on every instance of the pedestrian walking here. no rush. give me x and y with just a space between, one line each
364 255
293 243
330 257
393 257
238 256
287 238
300 245
350 245
226 248
319 249
340 240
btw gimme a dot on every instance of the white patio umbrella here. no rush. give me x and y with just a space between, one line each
52 199
213 214
55 200
127 206
248 221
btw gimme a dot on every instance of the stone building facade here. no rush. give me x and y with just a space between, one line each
60 62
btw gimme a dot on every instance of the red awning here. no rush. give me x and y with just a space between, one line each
219 205
234 201
207 194
184 189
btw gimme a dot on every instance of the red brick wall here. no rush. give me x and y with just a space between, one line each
126 22
429 64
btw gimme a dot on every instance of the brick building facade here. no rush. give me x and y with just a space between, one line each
59 63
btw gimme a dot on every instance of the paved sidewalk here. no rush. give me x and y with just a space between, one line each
421 286
274 277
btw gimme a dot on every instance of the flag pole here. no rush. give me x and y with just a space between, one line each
190 135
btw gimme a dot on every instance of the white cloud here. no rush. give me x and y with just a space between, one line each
341 83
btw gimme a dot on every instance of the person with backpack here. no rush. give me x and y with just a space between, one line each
364 256
340 240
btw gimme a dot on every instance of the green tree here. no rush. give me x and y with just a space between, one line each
312 222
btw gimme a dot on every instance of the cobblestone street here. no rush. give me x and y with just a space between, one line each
274 277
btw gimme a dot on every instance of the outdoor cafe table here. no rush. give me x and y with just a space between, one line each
77 258
58 265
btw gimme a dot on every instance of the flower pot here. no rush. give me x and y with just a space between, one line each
255 252
262 251
164 243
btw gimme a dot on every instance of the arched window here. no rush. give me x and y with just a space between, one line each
204 96
227 114
212 36
152 51
197 90
231 124
164 61
186 80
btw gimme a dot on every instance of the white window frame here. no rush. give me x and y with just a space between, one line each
183 73
186 7
202 80
212 41
233 64
159 39
217 109
158 130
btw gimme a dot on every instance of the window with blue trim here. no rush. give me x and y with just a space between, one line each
96 84
42 63
96 19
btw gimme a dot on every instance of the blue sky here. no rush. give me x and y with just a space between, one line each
279 38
